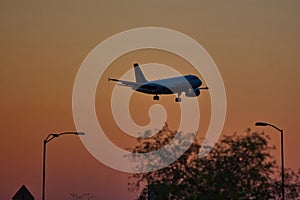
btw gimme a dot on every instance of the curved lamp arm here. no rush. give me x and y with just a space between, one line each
267 124
55 135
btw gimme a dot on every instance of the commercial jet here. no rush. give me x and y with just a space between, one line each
189 84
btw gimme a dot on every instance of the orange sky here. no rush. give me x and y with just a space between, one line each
255 45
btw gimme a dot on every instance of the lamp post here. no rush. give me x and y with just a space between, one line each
48 139
282 154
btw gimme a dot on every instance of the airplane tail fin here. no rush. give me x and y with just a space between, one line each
139 76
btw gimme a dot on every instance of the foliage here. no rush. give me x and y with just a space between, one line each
86 196
240 166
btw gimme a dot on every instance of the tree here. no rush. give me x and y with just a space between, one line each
86 196
240 166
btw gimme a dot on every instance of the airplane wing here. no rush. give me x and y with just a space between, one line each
133 85
149 88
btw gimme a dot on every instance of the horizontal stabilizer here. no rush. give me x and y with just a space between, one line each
204 88
112 79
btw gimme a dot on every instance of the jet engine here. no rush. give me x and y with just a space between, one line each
193 93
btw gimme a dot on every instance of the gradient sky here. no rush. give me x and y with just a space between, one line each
255 45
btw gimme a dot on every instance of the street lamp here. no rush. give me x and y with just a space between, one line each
282 154
48 139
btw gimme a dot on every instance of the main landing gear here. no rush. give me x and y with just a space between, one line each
156 98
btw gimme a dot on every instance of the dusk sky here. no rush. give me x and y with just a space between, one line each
255 45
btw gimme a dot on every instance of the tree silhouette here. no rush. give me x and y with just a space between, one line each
86 196
240 166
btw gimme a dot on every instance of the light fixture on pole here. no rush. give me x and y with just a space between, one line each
282 153
48 139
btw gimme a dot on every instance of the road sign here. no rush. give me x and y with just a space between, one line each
23 194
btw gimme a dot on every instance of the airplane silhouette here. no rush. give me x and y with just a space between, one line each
189 84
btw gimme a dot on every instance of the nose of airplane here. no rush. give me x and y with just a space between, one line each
199 82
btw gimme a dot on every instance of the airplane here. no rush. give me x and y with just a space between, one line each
189 84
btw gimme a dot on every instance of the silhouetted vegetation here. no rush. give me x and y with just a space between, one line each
86 196
240 166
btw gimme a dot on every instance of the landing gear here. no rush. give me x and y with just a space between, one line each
178 99
156 98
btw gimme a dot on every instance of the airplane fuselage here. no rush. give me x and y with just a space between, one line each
170 85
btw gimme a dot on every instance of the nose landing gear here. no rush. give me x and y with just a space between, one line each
178 99
156 98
